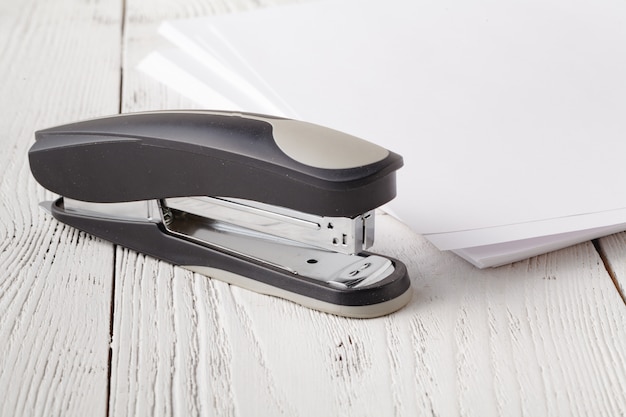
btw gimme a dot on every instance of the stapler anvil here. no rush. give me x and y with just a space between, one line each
278 206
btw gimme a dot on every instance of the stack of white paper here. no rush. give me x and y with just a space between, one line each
510 116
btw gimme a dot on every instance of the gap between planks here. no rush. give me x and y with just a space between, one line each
111 326
609 268
122 53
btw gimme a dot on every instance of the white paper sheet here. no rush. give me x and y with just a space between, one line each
509 114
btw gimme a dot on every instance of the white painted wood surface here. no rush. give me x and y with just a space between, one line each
540 337
59 61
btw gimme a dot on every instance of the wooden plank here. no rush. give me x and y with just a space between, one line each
60 62
540 337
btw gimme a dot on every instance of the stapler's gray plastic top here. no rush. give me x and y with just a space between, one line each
174 154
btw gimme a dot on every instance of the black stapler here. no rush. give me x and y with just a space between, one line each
274 205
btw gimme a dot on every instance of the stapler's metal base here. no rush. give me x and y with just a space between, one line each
153 238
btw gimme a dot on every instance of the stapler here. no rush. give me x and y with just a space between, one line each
274 205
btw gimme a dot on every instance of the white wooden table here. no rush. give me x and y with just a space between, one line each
87 328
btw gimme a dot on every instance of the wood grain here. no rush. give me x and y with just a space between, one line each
60 62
